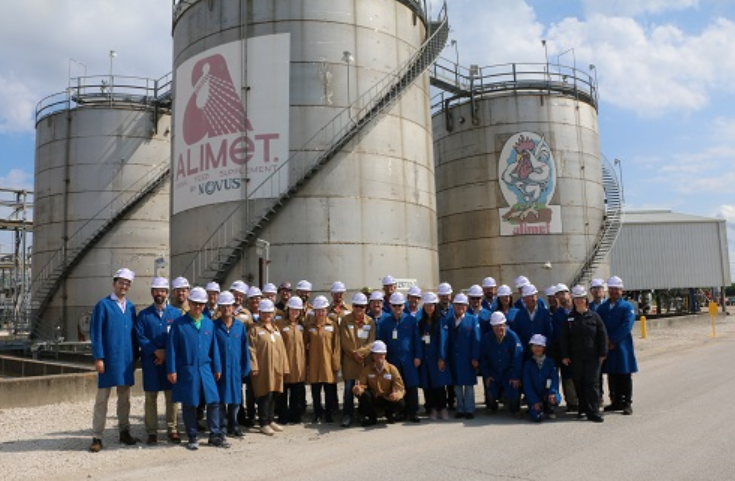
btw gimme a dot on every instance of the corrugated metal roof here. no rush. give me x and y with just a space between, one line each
662 216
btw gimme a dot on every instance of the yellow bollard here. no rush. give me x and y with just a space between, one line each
644 328
713 315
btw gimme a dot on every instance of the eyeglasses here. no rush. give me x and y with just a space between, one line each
395 306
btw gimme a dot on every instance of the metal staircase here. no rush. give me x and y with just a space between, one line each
63 261
240 229
610 228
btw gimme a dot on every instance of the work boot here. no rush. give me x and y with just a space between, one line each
627 409
127 439
96 446
174 437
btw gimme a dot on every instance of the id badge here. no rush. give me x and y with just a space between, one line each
362 334
427 339
395 334
548 384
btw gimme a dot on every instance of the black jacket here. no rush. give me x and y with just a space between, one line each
584 338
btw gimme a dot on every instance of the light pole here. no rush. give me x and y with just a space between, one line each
619 163
546 54
113 54
347 58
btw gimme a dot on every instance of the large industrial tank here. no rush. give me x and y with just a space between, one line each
102 197
518 173
266 76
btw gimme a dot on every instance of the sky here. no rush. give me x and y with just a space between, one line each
665 70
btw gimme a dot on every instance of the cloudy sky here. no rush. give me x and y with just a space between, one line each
665 69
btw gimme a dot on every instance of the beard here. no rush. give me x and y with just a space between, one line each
159 300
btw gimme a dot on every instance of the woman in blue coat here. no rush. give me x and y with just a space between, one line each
501 365
541 382
194 366
232 343
503 303
434 370
400 332
464 355
619 318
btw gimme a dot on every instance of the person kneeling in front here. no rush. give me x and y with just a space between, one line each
379 387
540 381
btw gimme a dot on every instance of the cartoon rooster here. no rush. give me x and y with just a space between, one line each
530 174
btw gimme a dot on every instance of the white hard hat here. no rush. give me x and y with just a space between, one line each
522 281
124 273
389 280
460 299
397 298
376 296
475 291
379 347
538 340
504 291
561 288
159 283
529 290
180 283
615 281
270 288
254 292
303 286
266 305
359 299
497 318
414 291
550 291
579 291
212 286
444 289
489 282
225 299
321 302
295 302
597 283
338 287
198 295
240 287
430 298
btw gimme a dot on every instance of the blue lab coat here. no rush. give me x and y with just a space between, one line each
535 379
502 361
403 350
520 305
490 306
437 348
152 333
525 327
235 360
113 340
619 319
194 356
464 346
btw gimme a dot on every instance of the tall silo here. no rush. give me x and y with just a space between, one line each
520 184
102 196
305 125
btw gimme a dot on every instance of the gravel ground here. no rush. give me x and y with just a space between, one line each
51 442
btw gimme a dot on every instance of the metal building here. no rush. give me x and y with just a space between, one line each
522 188
661 249
302 136
101 196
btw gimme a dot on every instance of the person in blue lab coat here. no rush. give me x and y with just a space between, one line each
375 307
521 282
489 291
619 318
501 366
597 291
114 349
389 287
151 327
532 319
540 382
583 348
504 304
474 294
413 302
464 356
232 343
194 367
561 316
434 372
213 291
446 310
400 332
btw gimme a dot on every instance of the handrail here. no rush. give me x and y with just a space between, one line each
293 172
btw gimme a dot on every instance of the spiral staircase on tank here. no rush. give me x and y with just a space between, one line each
240 229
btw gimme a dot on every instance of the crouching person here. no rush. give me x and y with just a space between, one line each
540 381
194 367
232 343
379 388
501 359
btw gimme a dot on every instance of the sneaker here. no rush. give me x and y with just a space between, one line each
192 445
346 421
219 442
432 415
469 416
627 409
152 440
174 437
276 427
127 439
235 433
267 430
96 446
445 415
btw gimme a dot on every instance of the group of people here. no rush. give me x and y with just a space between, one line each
200 345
